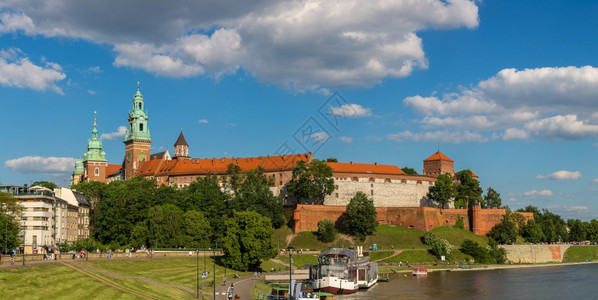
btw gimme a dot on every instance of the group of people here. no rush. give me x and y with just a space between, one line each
231 291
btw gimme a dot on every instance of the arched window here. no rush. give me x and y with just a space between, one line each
97 171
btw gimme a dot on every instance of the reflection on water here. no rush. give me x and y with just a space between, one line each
528 283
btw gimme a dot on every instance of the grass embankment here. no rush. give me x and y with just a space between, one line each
387 237
581 253
50 281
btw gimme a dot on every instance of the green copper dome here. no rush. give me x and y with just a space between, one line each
79 167
94 146
138 129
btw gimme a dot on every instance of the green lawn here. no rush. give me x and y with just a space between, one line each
53 281
456 236
308 240
581 253
299 260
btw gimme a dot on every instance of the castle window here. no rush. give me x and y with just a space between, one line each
141 127
372 192
372 179
336 194
387 180
403 180
336 187
97 171
372 185
355 179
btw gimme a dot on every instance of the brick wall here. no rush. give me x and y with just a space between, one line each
306 217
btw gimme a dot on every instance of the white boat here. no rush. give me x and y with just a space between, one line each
419 271
343 271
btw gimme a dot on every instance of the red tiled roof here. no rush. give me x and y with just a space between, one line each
112 169
438 156
365 168
196 166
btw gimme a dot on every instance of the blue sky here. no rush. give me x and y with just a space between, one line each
508 89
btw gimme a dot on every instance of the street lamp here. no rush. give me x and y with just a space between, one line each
214 283
197 268
290 249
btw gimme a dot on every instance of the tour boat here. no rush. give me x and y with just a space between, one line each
419 271
343 271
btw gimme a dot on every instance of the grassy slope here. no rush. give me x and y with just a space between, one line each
456 236
581 253
50 281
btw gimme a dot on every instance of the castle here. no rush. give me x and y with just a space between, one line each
387 185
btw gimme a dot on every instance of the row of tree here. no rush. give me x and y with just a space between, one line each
545 227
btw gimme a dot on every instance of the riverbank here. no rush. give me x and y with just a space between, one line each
485 267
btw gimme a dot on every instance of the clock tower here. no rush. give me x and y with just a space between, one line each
138 140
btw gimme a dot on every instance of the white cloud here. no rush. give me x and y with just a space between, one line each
119 133
346 139
45 165
202 121
320 136
438 136
350 111
545 103
534 193
91 92
299 44
17 71
563 127
95 69
561 175
515 134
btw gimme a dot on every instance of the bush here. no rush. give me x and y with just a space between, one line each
440 247
505 232
498 254
479 253
459 223
429 238
326 231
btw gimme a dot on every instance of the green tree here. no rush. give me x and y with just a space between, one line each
46 184
233 177
532 232
248 241
326 231
205 195
479 253
577 230
9 232
360 220
592 231
166 226
255 194
167 194
409 171
197 228
311 182
140 236
492 199
469 191
504 232
331 159
443 191
498 254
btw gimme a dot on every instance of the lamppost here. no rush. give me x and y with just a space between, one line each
290 249
214 283
197 268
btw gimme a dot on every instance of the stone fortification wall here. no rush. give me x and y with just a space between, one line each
306 217
535 253
386 192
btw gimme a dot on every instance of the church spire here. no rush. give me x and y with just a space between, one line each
138 129
94 145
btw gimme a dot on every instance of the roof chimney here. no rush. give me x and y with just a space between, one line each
351 162
376 164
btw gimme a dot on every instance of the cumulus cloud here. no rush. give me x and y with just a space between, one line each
438 136
561 175
119 133
346 139
45 165
543 103
301 45
535 193
19 71
203 121
350 111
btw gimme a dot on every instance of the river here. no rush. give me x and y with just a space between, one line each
551 282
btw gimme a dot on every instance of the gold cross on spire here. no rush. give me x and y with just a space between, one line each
137 85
